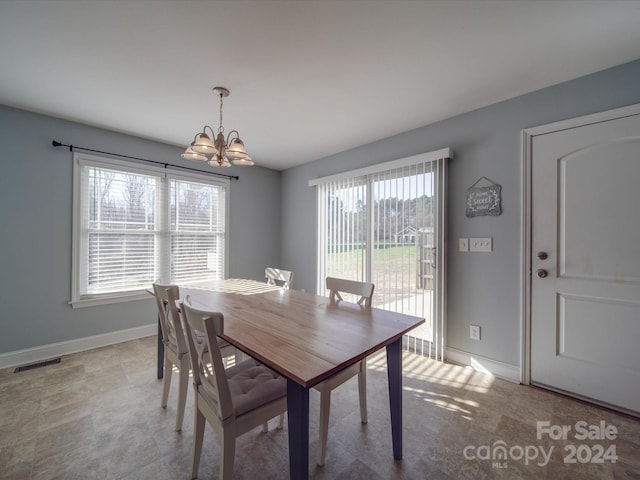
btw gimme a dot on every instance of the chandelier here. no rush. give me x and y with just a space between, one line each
215 149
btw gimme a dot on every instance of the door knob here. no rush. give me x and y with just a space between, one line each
542 273
542 255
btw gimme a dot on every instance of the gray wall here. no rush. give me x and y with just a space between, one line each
483 288
35 244
272 214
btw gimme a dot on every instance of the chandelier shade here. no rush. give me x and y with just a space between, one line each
219 152
218 161
243 162
238 153
190 154
203 144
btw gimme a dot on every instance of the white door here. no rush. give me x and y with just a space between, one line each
585 261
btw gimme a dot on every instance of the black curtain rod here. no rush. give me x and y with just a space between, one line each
55 143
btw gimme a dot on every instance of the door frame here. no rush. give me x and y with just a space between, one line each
527 136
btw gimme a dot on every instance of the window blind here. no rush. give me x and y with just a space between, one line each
379 228
385 224
119 237
197 232
138 225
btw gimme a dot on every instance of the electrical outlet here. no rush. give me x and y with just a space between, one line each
481 244
474 332
463 244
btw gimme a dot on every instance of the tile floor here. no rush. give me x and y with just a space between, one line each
97 415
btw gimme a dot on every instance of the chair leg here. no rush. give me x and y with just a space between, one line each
280 426
362 391
166 381
228 443
183 386
325 404
198 435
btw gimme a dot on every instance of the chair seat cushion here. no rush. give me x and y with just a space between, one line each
252 384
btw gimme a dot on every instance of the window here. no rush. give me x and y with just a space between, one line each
384 224
135 224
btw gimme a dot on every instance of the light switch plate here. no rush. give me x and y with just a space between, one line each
463 244
481 244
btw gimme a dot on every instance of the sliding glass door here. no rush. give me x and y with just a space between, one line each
384 224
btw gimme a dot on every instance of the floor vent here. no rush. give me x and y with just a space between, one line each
31 366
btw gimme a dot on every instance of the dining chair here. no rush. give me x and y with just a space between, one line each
364 291
276 276
233 401
176 352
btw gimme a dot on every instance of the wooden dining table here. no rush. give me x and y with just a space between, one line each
306 338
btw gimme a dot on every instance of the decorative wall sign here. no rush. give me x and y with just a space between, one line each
484 200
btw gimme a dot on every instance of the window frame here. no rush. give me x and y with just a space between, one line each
163 230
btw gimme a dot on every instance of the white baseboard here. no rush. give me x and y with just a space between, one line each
505 371
52 350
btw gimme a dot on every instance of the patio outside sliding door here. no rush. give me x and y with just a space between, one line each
384 224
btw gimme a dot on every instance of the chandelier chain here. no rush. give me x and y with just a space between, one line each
221 128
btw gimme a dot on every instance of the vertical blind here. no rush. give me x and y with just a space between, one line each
141 225
403 238
342 235
383 225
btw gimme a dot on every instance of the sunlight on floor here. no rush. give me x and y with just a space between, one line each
442 377
454 404
441 373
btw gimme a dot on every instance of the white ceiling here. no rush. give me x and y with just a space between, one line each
307 78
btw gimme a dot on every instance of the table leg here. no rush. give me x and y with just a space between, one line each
160 351
298 415
394 374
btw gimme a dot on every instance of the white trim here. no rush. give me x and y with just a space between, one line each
525 270
442 255
84 159
599 117
381 167
76 211
45 352
197 177
527 136
108 299
502 370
